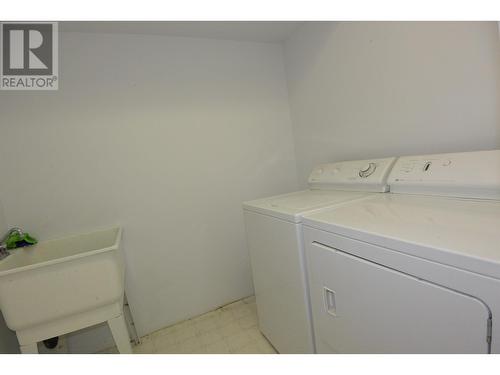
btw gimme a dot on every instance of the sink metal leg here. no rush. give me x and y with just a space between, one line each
119 331
29 349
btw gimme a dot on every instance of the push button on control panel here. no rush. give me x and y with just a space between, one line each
446 163
367 170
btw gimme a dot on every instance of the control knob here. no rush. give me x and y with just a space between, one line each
367 170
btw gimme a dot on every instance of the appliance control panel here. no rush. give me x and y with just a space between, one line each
357 175
465 174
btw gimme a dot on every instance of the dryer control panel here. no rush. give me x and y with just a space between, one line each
465 174
358 175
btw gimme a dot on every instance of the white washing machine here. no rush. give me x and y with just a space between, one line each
274 236
416 270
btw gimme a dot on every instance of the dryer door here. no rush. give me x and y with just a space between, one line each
363 307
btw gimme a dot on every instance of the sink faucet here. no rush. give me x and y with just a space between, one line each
3 246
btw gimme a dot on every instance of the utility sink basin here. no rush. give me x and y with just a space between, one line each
63 285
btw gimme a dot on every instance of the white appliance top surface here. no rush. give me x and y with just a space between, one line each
464 233
330 184
291 206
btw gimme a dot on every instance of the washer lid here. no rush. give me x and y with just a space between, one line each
463 233
291 206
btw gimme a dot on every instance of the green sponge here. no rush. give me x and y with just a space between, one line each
16 240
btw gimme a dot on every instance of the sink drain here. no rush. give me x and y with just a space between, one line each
51 343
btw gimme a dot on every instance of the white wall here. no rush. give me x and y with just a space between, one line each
165 136
373 89
8 339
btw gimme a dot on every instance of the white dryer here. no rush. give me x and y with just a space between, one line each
274 236
412 271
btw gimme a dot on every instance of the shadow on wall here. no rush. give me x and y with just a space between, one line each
8 339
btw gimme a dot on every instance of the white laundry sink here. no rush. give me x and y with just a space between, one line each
63 285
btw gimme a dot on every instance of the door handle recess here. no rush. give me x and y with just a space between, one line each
330 305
